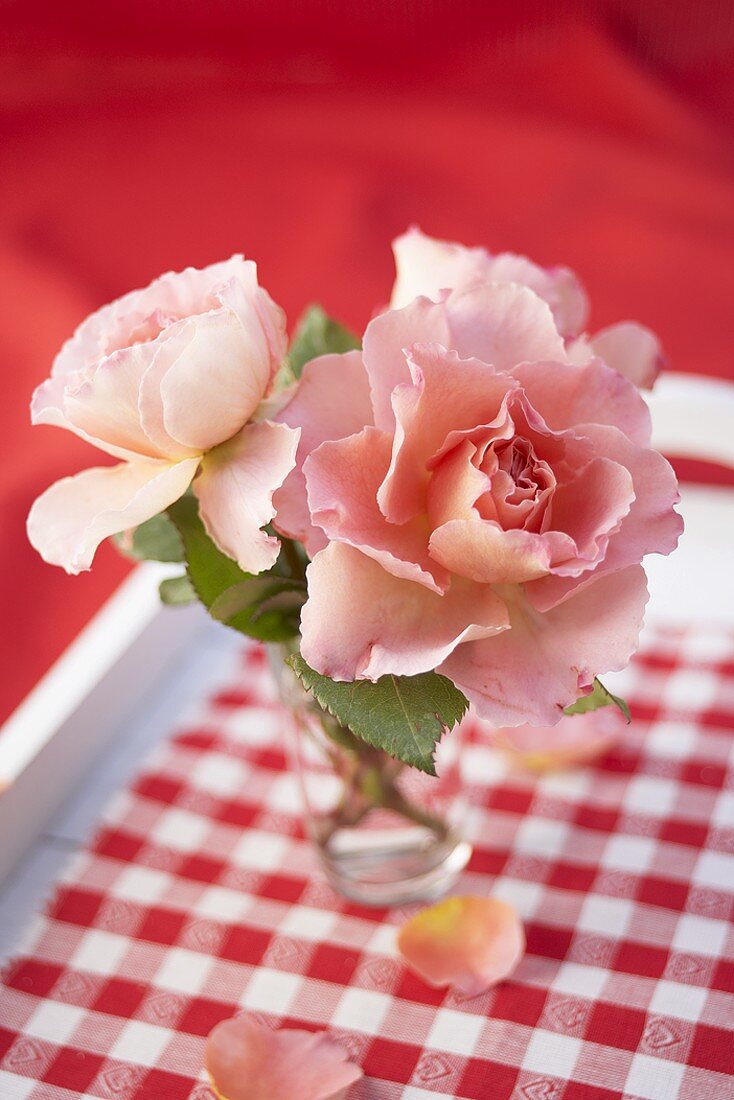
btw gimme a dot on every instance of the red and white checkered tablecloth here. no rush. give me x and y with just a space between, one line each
199 897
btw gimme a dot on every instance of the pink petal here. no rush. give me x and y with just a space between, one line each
385 340
480 550
569 395
631 349
67 523
577 739
247 1060
503 324
332 401
531 672
471 943
650 527
235 491
361 622
446 394
210 374
47 407
589 509
426 266
343 478
558 286
455 486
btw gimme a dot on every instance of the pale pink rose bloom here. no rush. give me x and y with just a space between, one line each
490 517
248 1061
168 380
470 942
427 266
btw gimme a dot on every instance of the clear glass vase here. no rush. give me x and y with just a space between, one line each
386 834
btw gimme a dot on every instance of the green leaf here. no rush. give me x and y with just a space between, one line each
177 591
599 697
317 334
244 602
405 716
155 540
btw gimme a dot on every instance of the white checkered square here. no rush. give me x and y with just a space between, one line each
54 1021
259 850
141 1043
101 952
700 934
271 991
457 1032
185 971
552 1053
608 916
673 999
654 1079
362 1010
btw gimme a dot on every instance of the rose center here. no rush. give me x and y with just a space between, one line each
520 484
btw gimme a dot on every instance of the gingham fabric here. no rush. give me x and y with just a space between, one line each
199 897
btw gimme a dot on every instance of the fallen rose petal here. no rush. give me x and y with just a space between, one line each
247 1060
467 942
577 739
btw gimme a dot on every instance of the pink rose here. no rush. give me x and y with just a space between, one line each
479 500
168 380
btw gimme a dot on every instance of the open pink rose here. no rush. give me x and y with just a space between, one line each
478 503
428 266
168 379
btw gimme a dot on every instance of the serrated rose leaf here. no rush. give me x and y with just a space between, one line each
471 943
248 1061
405 716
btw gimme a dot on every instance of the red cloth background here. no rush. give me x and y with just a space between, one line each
144 135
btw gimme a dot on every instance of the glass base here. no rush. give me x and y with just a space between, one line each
386 867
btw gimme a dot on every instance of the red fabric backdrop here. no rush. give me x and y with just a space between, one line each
144 135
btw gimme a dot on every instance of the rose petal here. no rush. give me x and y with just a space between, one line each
427 266
627 347
577 739
247 1060
235 491
175 294
503 324
589 394
67 523
362 622
480 550
332 401
343 478
471 943
650 527
210 374
531 672
385 340
446 394
589 509
47 407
